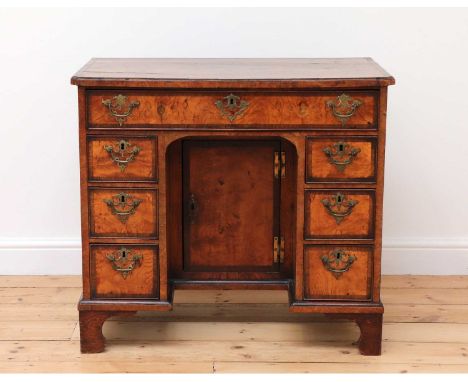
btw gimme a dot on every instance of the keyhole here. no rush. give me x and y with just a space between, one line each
339 199
338 256
231 101
341 147
122 198
124 254
122 146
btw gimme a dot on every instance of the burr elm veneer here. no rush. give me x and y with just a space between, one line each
232 173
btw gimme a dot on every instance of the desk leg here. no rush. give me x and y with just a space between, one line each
91 338
370 324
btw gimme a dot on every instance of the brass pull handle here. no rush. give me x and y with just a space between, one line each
341 154
124 261
122 153
344 107
123 205
192 208
339 206
119 108
338 262
231 106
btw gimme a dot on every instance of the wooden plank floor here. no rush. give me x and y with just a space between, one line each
425 330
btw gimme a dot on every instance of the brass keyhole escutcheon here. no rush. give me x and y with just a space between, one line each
192 208
122 153
124 261
341 154
123 205
339 206
338 262
231 106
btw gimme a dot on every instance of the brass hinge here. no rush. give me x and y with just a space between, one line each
280 164
278 249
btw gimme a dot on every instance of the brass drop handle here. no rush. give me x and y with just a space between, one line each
338 262
122 153
339 206
341 154
192 208
344 107
122 205
119 108
124 261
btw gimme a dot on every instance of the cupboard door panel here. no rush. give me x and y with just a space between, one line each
231 205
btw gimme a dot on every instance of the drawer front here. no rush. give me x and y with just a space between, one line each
318 109
337 273
122 158
340 159
124 271
339 214
123 213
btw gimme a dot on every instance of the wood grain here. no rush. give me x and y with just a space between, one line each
232 183
426 335
195 108
241 72
320 283
143 222
142 281
320 224
102 167
320 169
188 99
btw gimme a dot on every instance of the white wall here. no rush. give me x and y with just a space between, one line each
426 198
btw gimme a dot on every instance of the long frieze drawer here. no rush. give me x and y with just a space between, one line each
124 271
119 158
337 273
321 109
340 214
123 213
340 159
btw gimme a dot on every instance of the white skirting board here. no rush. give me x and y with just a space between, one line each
421 256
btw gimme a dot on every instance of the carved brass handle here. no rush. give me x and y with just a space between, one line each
192 208
124 261
119 108
341 154
231 106
338 262
122 153
344 107
123 205
339 206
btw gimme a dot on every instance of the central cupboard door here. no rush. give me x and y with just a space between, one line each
230 205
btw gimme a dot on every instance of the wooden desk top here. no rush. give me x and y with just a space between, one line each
232 72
